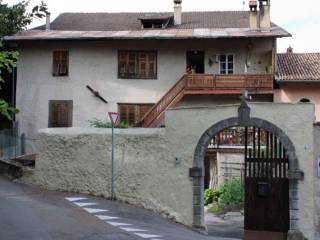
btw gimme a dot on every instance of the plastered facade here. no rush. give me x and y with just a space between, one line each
148 173
95 63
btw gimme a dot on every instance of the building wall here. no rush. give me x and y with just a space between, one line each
149 174
317 181
294 93
95 63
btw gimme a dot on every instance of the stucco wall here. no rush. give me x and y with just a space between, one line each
317 181
96 64
294 93
79 159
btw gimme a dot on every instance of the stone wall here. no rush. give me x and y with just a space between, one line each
79 160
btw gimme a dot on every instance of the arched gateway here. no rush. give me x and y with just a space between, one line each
286 188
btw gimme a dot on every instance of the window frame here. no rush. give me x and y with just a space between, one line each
134 105
137 75
51 103
227 63
59 73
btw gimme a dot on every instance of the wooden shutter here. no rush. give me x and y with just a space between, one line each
60 114
60 63
137 65
131 114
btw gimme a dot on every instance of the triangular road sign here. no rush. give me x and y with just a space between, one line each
114 117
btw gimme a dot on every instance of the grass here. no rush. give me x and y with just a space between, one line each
215 209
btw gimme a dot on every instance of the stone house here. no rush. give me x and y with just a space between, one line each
82 65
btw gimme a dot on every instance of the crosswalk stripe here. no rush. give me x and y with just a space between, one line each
143 235
73 199
117 224
103 217
95 210
128 229
82 204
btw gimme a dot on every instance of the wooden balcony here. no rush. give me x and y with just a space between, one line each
201 84
229 84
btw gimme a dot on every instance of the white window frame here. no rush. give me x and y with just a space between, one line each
227 69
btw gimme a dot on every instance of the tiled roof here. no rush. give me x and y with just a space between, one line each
298 67
129 21
195 25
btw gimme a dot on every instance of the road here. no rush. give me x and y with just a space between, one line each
30 213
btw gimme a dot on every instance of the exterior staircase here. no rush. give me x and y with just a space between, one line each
207 84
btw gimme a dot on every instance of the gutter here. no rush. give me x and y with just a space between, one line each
297 81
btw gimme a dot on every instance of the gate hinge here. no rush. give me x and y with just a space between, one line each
295 174
195 172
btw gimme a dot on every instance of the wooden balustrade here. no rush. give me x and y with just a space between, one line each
208 84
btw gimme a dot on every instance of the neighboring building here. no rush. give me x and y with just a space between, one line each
298 79
83 65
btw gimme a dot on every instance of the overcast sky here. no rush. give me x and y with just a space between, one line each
300 18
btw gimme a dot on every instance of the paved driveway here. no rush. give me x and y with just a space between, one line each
30 213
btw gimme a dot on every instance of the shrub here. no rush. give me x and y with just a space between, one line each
232 192
211 196
96 123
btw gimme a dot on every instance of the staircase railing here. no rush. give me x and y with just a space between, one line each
172 96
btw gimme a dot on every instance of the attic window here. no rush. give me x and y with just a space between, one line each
156 22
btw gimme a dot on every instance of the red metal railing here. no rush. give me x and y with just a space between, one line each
207 84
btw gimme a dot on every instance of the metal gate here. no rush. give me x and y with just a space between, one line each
266 186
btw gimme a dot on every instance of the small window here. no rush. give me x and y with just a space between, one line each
60 65
305 100
131 114
137 65
60 113
226 64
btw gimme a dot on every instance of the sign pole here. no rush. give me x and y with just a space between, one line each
112 165
114 117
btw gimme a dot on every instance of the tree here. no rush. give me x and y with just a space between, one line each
12 20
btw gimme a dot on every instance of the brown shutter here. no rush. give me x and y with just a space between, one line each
60 63
60 113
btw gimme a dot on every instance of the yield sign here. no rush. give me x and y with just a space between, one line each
114 117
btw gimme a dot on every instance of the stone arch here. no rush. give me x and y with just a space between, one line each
197 172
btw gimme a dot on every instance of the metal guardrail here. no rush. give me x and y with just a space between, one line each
12 144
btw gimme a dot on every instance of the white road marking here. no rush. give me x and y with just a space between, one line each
117 224
143 235
95 210
73 199
84 204
103 217
128 229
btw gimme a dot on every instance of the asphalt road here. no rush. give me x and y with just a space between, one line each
29 213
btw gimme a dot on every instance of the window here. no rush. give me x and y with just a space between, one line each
305 100
131 114
60 113
137 65
60 64
226 64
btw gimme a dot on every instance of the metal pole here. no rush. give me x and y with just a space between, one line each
112 166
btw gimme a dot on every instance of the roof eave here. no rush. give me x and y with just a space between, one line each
308 81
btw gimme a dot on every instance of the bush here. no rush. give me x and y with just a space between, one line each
211 196
96 123
232 192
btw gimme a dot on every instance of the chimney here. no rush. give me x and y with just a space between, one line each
289 50
264 15
253 15
47 21
177 12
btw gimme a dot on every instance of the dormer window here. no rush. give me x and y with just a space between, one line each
155 21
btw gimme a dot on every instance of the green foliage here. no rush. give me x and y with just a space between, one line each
232 191
104 124
215 208
211 196
13 19
6 110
